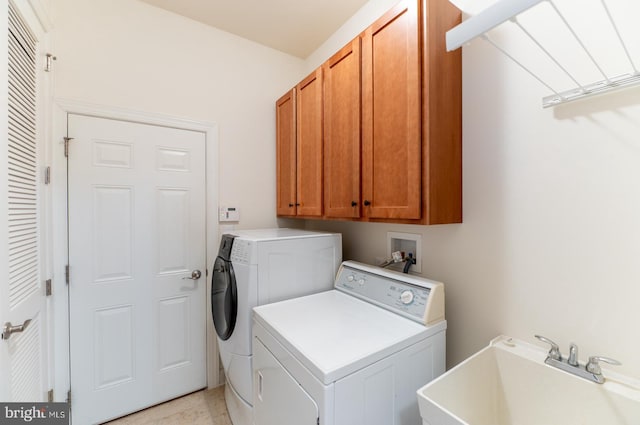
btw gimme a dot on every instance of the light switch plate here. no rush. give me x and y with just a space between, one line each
228 214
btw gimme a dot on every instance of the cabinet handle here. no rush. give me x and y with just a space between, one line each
290 205
366 203
354 203
297 205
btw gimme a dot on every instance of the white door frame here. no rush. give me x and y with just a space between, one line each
60 313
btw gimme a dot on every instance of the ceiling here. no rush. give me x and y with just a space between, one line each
297 27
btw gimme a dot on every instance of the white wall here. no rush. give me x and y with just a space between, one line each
129 54
551 237
550 242
368 13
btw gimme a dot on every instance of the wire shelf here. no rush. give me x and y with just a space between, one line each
504 11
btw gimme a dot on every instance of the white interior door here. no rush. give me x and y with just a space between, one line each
23 352
136 234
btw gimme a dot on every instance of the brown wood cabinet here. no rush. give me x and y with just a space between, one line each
309 145
299 149
342 133
392 110
441 116
286 154
391 115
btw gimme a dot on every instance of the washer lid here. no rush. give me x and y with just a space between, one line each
333 334
278 233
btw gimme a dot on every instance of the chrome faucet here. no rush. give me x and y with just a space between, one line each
573 355
591 371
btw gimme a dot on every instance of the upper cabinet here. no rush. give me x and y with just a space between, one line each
342 133
309 145
441 116
391 115
286 154
299 149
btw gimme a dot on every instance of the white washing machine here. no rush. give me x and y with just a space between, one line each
355 355
256 267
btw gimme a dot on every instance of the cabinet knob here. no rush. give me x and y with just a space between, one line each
354 203
366 203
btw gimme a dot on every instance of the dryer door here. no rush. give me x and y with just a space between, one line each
224 298
277 397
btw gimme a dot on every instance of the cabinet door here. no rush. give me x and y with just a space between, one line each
309 143
286 154
342 133
391 132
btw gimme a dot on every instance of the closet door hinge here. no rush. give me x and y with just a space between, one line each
66 273
66 145
47 175
50 396
48 62
69 397
47 287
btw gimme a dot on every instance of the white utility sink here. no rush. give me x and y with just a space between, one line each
508 383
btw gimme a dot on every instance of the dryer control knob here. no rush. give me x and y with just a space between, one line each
361 281
350 278
406 297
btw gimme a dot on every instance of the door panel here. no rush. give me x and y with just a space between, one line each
309 145
278 398
112 209
173 318
112 367
173 234
342 133
391 115
286 154
136 230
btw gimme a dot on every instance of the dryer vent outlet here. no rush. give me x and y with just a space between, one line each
405 243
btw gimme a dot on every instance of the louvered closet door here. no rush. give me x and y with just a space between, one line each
21 296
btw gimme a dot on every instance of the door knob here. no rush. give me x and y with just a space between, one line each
8 329
195 275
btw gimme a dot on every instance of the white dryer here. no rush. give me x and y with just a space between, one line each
256 267
355 355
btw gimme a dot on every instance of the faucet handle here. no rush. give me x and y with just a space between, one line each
554 351
593 365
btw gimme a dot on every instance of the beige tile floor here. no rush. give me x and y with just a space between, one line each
204 407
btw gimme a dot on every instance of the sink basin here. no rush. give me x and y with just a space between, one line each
508 383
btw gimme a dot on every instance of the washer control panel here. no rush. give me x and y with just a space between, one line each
403 294
241 251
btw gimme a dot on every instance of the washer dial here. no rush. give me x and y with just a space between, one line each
406 297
